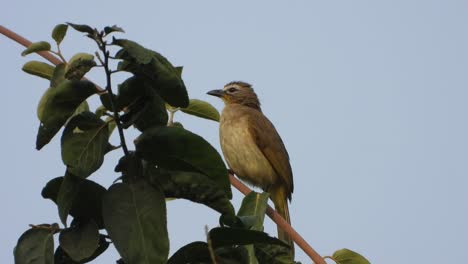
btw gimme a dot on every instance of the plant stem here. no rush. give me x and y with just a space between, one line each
105 52
296 237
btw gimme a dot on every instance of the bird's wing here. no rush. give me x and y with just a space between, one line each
269 142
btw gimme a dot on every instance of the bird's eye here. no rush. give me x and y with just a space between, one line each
232 89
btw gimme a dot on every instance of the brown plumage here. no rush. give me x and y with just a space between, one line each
253 149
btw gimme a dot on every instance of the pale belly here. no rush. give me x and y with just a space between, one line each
244 157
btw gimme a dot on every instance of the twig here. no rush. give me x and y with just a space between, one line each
46 55
105 52
296 237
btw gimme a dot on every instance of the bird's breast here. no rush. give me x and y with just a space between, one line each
242 153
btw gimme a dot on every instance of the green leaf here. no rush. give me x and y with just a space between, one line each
66 196
79 65
255 204
36 47
35 246
88 194
135 218
59 33
51 190
57 105
80 241
195 252
145 108
233 255
156 69
82 28
273 254
38 68
114 28
192 186
83 107
346 256
137 52
84 143
179 149
201 109
61 257
58 76
223 236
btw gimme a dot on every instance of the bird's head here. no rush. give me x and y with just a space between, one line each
238 93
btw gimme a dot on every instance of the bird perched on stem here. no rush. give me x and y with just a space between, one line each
253 149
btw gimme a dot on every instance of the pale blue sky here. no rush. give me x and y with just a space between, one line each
370 98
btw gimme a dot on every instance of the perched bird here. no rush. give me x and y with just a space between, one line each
253 149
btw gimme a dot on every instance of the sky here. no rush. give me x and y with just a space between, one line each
370 98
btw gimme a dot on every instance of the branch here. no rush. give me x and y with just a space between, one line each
45 54
296 237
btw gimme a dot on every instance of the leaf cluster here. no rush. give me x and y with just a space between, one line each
165 161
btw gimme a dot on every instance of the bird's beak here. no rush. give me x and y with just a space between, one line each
217 93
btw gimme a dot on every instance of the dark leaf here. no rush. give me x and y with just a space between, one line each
179 149
233 255
145 108
222 236
193 186
61 257
59 32
35 246
114 28
84 143
88 202
36 47
79 65
51 190
346 256
195 252
41 69
66 196
273 254
82 28
254 204
80 240
201 109
156 69
57 105
135 218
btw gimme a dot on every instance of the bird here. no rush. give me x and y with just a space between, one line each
253 149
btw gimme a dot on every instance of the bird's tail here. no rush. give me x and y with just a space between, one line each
279 198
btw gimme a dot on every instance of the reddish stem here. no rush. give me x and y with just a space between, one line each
282 224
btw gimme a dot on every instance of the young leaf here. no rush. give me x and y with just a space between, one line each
114 28
79 65
82 28
59 33
255 204
346 256
84 143
195 252
36 47
179 149
80 240
222 236
57 105
135 219
201 109
192 186
38 68
35 246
